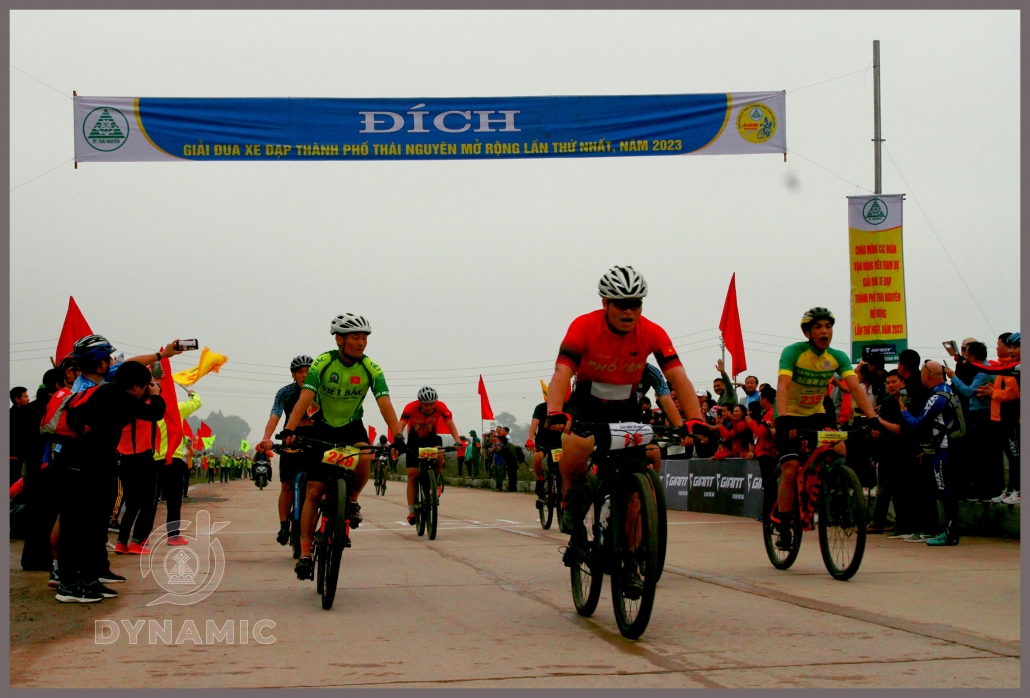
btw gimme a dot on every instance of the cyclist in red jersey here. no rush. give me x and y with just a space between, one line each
422 417
606 351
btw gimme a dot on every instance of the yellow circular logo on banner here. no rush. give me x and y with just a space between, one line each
756 123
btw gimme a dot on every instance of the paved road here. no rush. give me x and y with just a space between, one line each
488 604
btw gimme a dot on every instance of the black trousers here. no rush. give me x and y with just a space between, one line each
139 486
87 494
513 476
171 484
211 474
42 499
886 489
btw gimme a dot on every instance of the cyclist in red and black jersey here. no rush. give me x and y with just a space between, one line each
606 350
422 417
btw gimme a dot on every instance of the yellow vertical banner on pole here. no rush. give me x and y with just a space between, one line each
879 323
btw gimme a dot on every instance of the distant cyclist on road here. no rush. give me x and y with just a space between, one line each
338 380
422 417
806 368
284 402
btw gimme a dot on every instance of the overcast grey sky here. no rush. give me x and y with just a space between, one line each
468 264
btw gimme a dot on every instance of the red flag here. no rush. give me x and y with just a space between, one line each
371 434
173 420
204 430
75 328
484 402
186 429
729 325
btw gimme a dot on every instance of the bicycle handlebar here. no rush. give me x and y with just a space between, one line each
311 442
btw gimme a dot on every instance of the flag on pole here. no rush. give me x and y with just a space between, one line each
244 446
75 328
173 420
209 441
187 429
371 434
484 402
209 361
543 386
729 326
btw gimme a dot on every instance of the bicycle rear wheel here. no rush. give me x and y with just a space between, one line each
421 503
632 610
780 559
433 502
663 520
842 521
587 575
336 532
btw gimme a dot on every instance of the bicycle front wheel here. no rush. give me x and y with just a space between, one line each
336 531
780 559
842 521
587 575
663 520
634 531
432 503
421 503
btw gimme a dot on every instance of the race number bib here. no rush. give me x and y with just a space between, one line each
346 457
831 437
428 452
629 434
556 455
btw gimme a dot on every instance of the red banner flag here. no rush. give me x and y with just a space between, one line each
729 325
204 430
371 434
186 429
484 402
173 420
75 328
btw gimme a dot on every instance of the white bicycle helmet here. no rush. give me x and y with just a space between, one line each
622 283
300 362
426 395
348 323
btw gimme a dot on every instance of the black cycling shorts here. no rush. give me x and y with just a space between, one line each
416 443
350 434
790 449
289 465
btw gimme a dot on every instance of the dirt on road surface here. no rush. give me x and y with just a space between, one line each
488 604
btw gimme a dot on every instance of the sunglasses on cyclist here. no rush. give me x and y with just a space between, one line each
627 304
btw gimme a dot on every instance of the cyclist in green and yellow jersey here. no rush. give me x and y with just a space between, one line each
806 369
337 382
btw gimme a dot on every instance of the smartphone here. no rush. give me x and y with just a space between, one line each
951 347
187 344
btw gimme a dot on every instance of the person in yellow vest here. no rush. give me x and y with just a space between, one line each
172 474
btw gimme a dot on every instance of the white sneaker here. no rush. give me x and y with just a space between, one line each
110 545
1012 498
1001 497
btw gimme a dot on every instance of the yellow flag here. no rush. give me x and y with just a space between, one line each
244 446
209 361
543 386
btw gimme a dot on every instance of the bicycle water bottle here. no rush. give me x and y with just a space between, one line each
606 510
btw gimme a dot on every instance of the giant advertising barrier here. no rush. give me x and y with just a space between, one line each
732 487
140 129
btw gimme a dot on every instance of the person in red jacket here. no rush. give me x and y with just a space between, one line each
762 426
736 436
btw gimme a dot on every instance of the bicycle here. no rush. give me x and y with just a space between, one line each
427 497
601 545
381 465
332 527
824 483
552 488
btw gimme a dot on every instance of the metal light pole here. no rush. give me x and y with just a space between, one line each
876 116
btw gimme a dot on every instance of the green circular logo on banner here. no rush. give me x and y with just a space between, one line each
874 211
105 128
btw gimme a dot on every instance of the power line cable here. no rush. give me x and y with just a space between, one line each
41 82
857 186
45 173
941 242
796 89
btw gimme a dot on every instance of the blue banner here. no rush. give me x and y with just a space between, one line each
157 128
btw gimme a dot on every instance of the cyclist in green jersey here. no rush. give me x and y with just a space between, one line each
337 382
806 369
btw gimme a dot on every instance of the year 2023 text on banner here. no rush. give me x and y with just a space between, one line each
140 129
878 318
